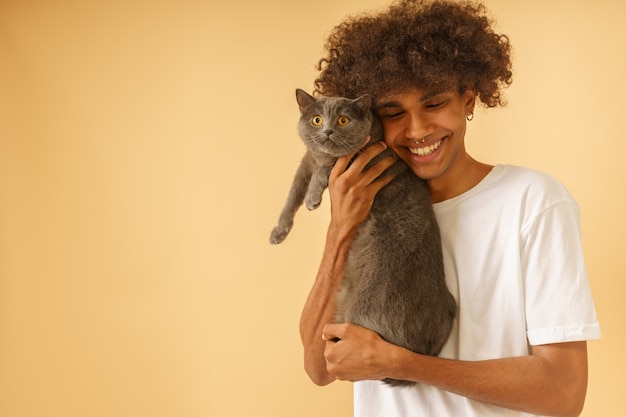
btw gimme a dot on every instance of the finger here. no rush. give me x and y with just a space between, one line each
333 332
366 155
379 184
341 165
343 162
374 174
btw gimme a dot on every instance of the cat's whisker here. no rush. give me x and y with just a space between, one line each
294 148
348 149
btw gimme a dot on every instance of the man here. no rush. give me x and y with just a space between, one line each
510 236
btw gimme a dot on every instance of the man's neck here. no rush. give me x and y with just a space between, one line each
458 179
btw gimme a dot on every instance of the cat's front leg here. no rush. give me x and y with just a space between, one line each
297 192
280 231
319 182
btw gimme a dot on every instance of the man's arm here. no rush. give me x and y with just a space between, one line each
352 193
319 308
552 380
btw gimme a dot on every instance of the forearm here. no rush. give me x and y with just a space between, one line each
551 381
320 306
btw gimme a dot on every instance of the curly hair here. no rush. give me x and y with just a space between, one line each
417 44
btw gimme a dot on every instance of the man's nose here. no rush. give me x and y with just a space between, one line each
417 126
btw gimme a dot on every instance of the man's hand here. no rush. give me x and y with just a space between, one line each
352 191
354 353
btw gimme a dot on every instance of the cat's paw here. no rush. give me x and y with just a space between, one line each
313 203
279 233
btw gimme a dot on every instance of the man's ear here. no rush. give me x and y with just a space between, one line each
470 101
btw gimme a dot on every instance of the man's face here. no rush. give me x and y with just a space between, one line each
426 129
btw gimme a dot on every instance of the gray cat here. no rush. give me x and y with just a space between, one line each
394 281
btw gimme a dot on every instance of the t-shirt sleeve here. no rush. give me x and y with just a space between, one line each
559 305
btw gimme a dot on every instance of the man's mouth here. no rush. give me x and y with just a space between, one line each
426 150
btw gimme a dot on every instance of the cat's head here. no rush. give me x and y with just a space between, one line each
334 126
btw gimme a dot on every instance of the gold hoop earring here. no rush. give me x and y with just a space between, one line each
470 117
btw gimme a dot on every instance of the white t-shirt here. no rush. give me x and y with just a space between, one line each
514 263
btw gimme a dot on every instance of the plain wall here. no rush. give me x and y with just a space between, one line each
146 148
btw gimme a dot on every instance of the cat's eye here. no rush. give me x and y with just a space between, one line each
317 120
343 121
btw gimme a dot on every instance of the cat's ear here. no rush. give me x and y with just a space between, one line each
305 100
364 102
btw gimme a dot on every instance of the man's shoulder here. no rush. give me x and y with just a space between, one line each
534 191
531 181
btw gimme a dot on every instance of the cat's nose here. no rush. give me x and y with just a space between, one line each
328 132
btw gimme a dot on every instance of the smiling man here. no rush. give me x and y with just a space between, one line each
510 236
436 154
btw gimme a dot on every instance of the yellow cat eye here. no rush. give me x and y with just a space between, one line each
317 120
343 121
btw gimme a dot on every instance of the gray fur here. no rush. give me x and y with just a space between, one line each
394 281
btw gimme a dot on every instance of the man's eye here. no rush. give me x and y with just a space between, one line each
390 115
435 105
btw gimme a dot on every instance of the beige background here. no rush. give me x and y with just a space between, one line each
146 148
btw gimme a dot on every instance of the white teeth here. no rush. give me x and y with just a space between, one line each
426 150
